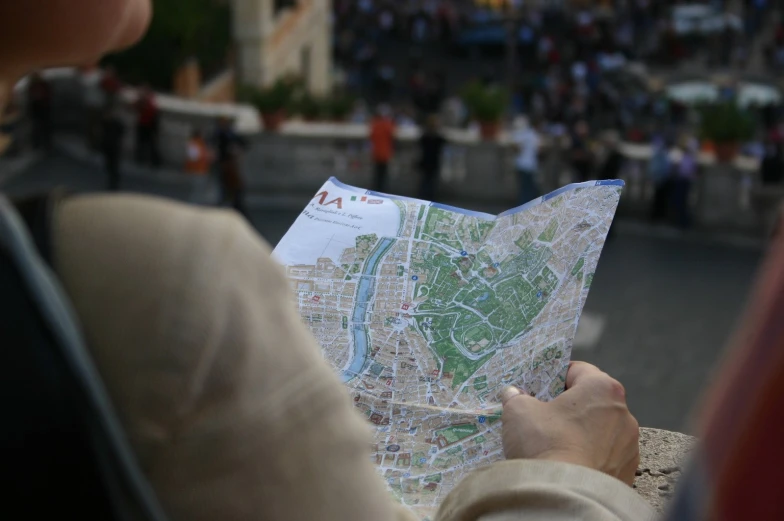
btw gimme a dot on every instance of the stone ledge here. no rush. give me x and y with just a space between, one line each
663 455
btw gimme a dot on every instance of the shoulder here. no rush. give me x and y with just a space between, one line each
149 239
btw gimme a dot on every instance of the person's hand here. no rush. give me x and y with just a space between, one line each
589 425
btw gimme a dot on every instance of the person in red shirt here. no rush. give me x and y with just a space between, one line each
382 136
147 118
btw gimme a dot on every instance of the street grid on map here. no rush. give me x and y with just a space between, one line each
425 328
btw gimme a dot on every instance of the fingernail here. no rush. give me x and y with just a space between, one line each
509 393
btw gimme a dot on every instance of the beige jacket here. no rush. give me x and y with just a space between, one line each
224 394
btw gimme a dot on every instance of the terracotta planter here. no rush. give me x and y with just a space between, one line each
726 152
489 130
273 120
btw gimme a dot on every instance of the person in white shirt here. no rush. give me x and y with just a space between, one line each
527 142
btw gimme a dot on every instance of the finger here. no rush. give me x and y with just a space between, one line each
578 371
509 393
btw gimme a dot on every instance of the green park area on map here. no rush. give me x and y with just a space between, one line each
476 304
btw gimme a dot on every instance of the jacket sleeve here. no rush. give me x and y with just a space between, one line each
525 490
222 391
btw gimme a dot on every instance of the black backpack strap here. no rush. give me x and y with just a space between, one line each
63 448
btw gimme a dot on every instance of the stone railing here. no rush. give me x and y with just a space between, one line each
663 456
476 174
179 116
482 174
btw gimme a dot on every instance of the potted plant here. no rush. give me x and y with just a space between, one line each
339 106
310 107
486 104
272 102
726 125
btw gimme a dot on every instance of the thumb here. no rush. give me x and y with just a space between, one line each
511 393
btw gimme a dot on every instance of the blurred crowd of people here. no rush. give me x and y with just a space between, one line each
112 109
106 125
561 46
575 75
572 63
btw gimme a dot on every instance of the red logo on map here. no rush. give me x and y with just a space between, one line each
316 298
323 201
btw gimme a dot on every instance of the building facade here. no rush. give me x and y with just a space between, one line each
274 38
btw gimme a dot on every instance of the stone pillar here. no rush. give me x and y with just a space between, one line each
270 45
321 54
252 23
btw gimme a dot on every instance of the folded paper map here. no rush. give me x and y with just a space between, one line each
427 312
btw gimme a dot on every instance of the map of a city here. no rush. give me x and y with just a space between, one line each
427 312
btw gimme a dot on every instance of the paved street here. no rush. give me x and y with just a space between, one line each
669 308
657 318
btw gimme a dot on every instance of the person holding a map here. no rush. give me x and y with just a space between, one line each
235 415
226 396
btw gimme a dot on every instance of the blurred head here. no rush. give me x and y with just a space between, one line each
520 123
36 34
384 111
